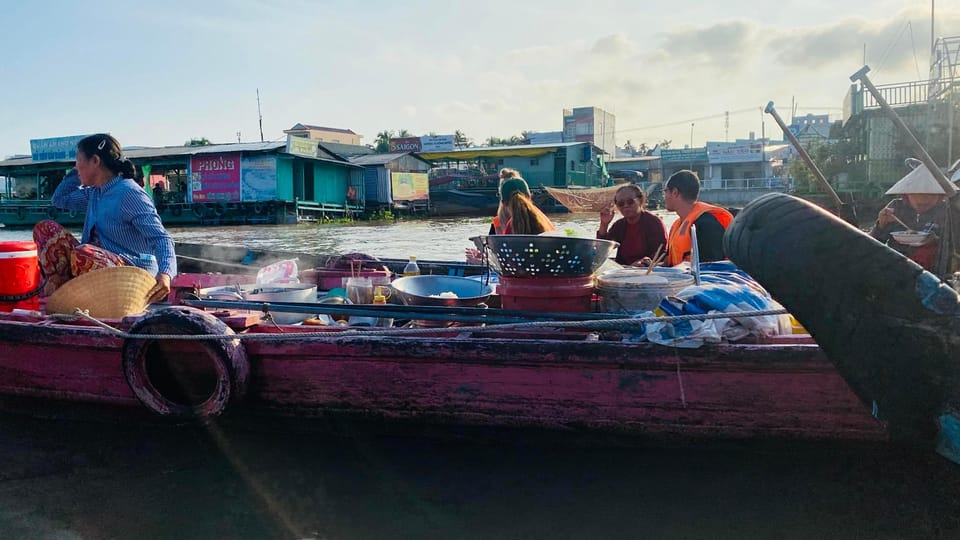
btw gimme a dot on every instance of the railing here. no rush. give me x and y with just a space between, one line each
859 99
771 183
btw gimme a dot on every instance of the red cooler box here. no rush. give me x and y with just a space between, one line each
19 276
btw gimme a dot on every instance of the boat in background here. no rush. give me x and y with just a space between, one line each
584 199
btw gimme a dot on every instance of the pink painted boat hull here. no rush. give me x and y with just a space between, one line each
552 381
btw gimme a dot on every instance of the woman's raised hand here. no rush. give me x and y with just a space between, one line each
606 215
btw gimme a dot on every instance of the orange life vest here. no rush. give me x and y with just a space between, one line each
501 229
679 242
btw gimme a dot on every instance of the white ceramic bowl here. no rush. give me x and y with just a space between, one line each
911 238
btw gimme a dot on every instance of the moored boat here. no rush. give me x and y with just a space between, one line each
584 199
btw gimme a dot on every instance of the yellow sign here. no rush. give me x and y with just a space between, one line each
301 146
410 186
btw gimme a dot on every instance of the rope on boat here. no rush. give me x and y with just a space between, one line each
606 324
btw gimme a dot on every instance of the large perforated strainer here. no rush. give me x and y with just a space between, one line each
521 255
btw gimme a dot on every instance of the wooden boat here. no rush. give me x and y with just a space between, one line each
202 258
584 199
549 379
457 202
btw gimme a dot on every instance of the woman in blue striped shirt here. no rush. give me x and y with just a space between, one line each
120 217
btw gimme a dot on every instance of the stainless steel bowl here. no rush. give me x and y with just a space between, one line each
425 291
521 255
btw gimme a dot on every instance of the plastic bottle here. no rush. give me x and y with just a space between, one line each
411 269
380 299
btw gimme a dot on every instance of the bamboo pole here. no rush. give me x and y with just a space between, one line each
821 180
935 170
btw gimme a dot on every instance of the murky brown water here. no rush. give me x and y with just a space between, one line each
438 239
81 480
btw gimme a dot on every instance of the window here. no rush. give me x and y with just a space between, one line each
573 165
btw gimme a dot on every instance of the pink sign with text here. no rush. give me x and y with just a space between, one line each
215 178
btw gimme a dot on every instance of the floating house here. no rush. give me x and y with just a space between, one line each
395 182
270 182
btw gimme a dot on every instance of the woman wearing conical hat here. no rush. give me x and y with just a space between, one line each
921 207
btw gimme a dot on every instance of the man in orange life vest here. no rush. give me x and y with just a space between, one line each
680 195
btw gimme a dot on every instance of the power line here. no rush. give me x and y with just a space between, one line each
687 121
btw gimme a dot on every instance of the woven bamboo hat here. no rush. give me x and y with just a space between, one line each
919 181
107 293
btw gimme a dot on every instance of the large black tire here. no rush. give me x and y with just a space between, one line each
185 379
862 302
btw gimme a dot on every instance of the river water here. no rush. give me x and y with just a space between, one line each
429 239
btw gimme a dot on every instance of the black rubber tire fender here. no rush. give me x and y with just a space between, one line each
157 370
859 300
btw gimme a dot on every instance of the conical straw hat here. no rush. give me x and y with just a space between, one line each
920 180
107 293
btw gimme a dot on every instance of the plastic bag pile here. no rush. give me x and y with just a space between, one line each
724 288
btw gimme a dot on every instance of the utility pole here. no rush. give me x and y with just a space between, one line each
932 33
238 136
726 126
259 115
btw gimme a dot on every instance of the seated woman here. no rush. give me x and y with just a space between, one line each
921 207
505 174
516 214
121 221
640 233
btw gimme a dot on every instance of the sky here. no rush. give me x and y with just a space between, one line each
161 73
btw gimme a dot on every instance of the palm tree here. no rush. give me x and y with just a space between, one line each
382 144
404 133
460 140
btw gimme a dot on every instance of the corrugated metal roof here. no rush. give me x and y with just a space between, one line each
381 159
635 158
298 127
500 151
139 153
348 150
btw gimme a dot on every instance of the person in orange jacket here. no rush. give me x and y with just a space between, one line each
680 195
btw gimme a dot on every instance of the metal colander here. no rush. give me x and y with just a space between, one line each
522 255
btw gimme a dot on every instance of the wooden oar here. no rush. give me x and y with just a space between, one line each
845 211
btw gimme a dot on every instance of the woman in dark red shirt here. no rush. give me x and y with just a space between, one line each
640 233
